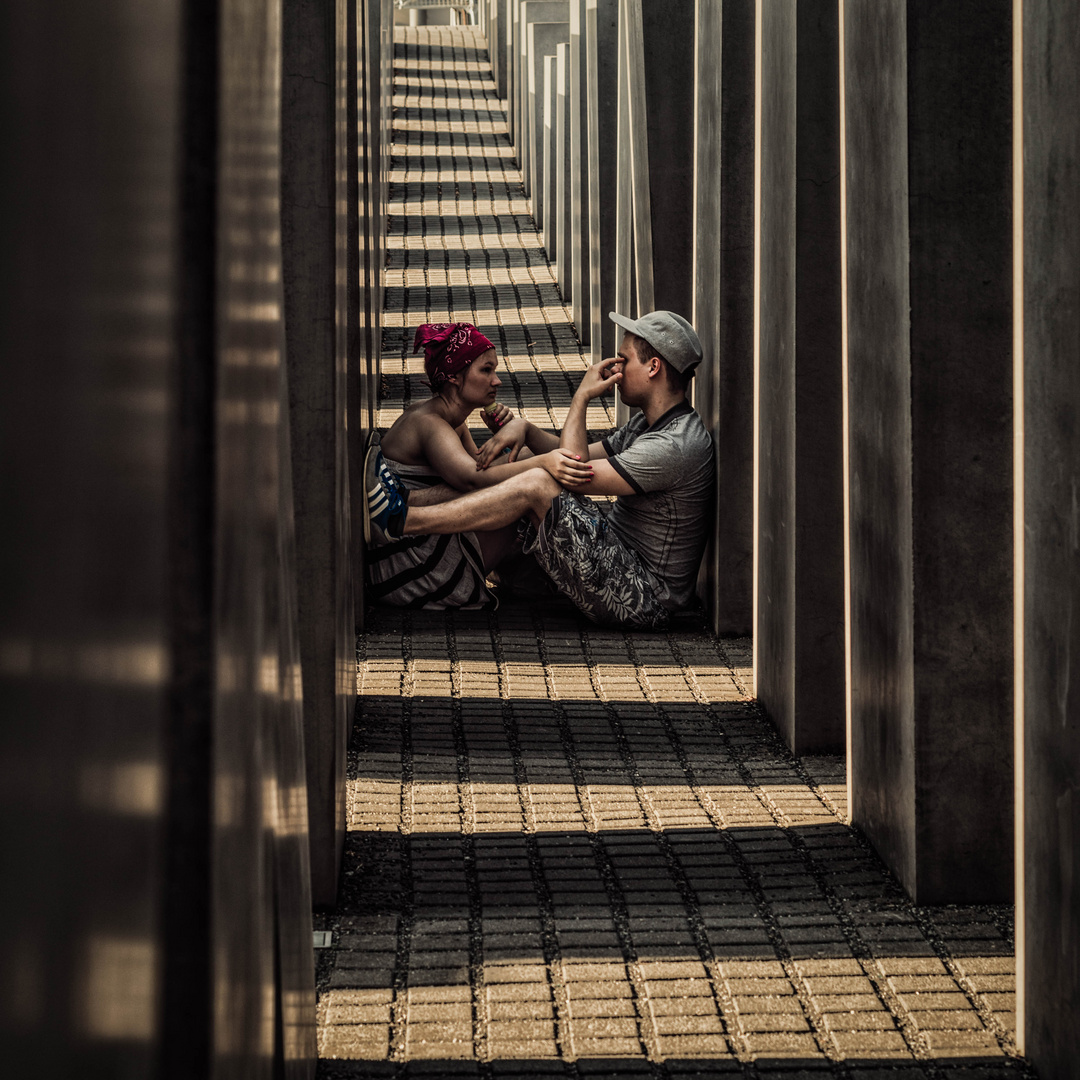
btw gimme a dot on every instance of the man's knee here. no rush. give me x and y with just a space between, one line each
541 488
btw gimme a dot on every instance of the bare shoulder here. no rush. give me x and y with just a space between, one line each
407 437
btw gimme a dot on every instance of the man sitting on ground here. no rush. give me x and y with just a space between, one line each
636 565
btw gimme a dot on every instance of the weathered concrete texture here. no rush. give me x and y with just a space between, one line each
774 623
723 254
1050 950
820 691
155 910
543 39
496 37
317 366
669 93
528 11
655 204
929 384
564 236
578 123
800 616
546 221
601 87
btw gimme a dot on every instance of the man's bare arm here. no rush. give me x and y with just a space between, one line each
597 380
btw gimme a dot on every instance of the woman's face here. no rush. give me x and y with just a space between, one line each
480 384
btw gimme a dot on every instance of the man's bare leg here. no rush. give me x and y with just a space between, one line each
488 509
432 496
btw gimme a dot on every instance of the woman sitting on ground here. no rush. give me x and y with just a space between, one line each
430 445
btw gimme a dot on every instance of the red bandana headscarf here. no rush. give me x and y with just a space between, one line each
448 349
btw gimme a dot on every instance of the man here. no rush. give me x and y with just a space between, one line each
637 565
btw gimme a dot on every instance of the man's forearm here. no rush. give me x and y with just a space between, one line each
575 437
540 441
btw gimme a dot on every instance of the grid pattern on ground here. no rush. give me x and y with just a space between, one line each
576 852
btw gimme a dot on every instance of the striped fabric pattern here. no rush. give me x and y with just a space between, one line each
433 572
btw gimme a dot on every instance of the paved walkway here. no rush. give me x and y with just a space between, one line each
581 853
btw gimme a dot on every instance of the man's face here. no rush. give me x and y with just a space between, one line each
634 387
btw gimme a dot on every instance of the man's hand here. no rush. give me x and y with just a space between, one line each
512 434
600 378
567 468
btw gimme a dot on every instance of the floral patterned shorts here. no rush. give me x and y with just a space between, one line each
592 567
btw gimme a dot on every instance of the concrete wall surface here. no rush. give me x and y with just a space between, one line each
542 40
156 897
525 12
578 136
929 386
878 433
820 674
1048 906
774 624
317 362
723 259
601 86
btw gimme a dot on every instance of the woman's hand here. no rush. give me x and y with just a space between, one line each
496 416
512 434
567 468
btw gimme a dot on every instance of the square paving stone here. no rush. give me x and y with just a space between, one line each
693 1045
606 1048
689 1025
460 1011
354 1041
595 989
522 1048
594 1007
947 1020
854 1043
520 1010
751 1022
521 1029
538 991
777 1043
961 1043
418 994
694 1006
860 1021
676 988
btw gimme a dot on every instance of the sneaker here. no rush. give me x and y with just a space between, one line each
386 499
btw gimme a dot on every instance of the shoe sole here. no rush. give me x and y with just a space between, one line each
370 475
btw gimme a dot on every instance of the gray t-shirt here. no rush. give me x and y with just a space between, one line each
671 468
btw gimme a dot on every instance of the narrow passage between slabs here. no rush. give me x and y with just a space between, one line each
577 852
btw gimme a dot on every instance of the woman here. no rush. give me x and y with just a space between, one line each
430 445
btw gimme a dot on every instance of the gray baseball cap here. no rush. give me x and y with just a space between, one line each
669 334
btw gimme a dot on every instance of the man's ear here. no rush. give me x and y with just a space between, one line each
654 366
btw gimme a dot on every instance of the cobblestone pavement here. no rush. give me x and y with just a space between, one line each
575 852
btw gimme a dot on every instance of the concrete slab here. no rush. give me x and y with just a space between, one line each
578 123
317 362
1048 945
601 47
527 11
800 615
548 165
565 238
929 396
723 255
542 39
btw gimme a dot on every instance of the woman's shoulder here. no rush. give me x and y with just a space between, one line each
406 438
